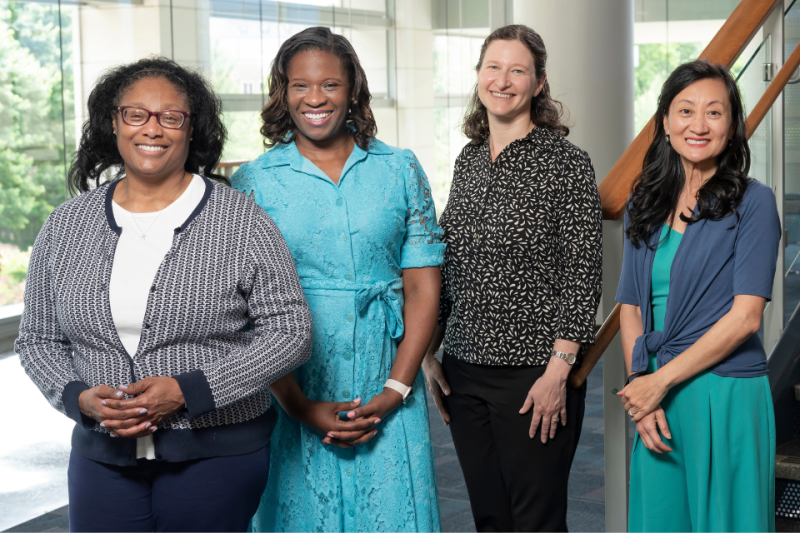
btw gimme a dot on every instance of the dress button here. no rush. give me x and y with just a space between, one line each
348 277
343 237
345 394
351 513
347 356
339 201
349 317
349 471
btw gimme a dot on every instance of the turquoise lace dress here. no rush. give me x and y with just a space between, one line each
350 243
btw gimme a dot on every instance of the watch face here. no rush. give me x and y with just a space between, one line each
572 358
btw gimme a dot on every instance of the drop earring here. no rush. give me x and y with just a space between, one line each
667 139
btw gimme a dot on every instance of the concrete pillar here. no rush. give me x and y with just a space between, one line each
590 70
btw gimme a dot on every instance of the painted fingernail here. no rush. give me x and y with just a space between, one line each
102 425
351 414
123 387
112 435
119 393
378 420
614 390
357 400
142 411
154 429
102 402
147 426
330 435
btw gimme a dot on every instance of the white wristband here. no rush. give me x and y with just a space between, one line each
395 385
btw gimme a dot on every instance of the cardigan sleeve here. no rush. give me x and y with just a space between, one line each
755 252
282 321
44 350
579 252
626 290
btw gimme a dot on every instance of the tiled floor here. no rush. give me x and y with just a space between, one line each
586 497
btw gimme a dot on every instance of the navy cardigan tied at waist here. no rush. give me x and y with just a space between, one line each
715 261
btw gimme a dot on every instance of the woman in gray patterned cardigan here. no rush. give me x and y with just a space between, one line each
158 309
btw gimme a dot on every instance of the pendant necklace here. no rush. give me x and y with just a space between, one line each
127 200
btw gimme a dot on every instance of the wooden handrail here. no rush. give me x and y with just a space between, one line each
774 90
725 47
601 341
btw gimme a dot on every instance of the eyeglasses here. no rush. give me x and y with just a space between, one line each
136 116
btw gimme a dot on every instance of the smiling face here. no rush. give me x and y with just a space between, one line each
699 121
152 151
507 79
318 94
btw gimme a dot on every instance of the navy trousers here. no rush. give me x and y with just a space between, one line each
216 494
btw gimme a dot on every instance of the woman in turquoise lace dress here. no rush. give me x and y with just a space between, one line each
360 222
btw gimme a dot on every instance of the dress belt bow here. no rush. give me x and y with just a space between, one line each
384 291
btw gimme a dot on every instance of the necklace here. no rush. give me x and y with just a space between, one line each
144 233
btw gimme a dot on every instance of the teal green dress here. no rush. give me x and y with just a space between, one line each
724 483
351 242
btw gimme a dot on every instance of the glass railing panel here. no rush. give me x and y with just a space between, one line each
791 158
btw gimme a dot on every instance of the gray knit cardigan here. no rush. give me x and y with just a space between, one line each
225 317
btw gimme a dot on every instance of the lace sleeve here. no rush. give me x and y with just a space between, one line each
422 246
244 180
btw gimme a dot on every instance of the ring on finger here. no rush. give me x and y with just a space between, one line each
554 419
630 412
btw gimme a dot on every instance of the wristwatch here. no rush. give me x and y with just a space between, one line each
395 385
568 357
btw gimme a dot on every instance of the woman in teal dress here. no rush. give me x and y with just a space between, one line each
351 449
699 261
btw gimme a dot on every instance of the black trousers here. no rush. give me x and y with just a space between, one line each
215 494
515 483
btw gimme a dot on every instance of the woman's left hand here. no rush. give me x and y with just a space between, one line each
378 407
159 397
548 397
643 395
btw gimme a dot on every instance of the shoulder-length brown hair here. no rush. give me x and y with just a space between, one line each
545 111
278 124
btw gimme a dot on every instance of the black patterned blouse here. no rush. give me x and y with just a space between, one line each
523 264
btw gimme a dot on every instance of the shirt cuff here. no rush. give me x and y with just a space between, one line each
196 393
72 409
422 255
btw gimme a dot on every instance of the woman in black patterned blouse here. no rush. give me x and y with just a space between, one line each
520 288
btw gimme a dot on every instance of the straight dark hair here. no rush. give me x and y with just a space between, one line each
278 123
546 112
97 151
656 191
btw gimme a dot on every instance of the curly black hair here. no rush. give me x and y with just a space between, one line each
546 111
656 191
98 151
278 123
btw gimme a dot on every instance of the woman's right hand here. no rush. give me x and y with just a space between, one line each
436 384
323 417
92 403
648 431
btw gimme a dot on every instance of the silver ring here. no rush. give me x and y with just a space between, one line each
554 419
630 412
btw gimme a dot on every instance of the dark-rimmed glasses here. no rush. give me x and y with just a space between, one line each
137 116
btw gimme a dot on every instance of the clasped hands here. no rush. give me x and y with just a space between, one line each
155 398
323 417
642 399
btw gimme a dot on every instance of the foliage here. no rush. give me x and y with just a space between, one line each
13 271
31 125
